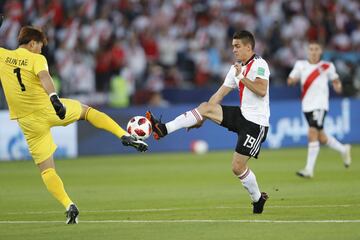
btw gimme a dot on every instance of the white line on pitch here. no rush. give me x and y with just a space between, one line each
188 221
183 209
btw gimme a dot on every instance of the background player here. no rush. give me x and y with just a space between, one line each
250 75
314 75
33 102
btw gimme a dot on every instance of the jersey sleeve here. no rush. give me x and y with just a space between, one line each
40 64
296 71
230 78
332 74
262 70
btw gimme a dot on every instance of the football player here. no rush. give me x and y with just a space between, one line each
314 75
249 120
34 103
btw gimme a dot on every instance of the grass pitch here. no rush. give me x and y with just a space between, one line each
184 196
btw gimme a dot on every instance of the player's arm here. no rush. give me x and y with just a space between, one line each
292 81
334 78
228 85
48 84
337 86
217 97
295 74
258 86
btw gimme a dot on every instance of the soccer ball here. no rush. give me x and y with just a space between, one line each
139 127
199 147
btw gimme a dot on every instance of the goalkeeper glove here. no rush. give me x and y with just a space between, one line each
60 108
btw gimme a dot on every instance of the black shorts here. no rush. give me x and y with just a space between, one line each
316 118
250 135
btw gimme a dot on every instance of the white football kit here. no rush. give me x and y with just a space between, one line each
253 107
314 80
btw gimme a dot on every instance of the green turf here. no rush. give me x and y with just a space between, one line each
182 186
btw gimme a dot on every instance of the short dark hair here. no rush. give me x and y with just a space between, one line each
315 42
29 33
246 37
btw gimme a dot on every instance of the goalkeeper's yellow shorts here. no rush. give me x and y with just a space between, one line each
36 128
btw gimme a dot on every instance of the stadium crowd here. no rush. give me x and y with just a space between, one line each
149 46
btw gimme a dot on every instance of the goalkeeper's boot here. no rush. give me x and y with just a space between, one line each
304 173
258 206
72 214
128 140
159 128
346 156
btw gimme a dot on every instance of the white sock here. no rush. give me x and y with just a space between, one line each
249 182
188 119
313 151
335 144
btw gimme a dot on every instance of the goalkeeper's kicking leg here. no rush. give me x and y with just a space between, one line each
101 120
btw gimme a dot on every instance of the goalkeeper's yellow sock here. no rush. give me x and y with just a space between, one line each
55 186
103 121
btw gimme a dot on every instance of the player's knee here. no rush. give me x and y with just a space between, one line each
313 134
204 108
323 139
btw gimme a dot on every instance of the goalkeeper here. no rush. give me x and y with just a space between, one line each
33 102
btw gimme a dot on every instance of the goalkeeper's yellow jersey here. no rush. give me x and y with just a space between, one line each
19 77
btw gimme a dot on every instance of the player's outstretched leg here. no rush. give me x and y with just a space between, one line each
258 206
103 121
159 128
186 120
72 214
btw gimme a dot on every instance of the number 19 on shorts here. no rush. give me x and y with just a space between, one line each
250 141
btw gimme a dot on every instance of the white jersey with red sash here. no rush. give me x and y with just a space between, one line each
314 83
253 107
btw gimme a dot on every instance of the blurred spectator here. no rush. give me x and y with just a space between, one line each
104 67
181 42
168 48
136 60
150 45
83 76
